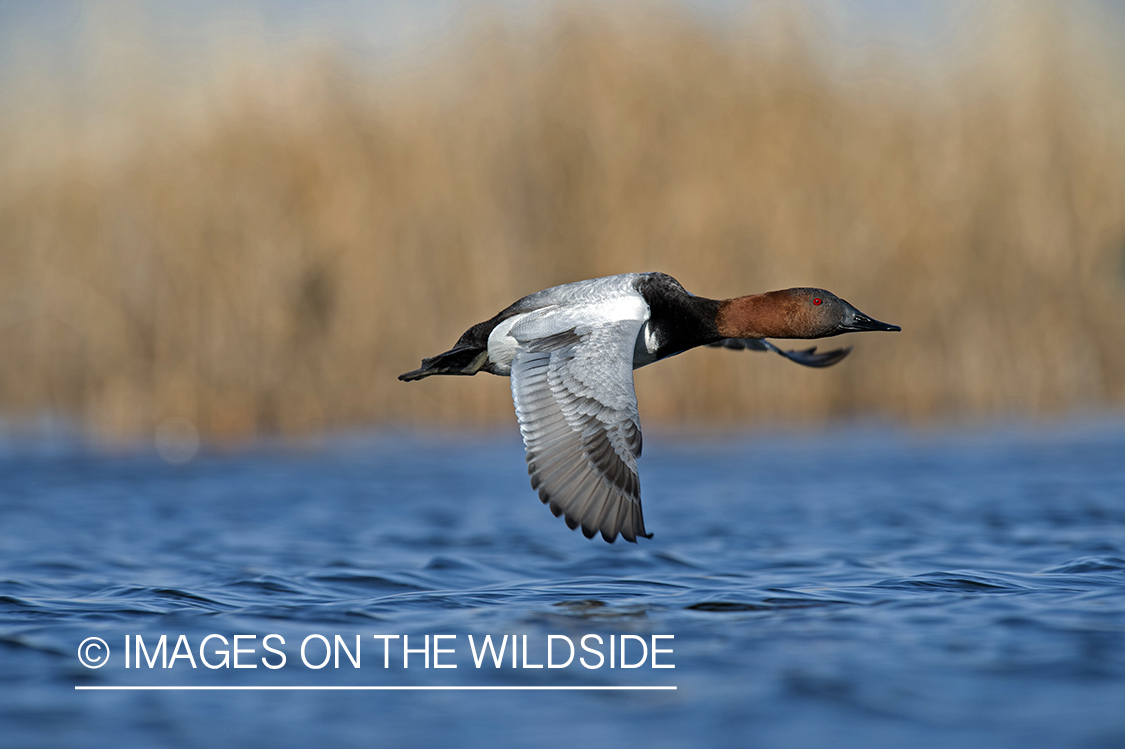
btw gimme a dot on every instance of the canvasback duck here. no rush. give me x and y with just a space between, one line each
571 350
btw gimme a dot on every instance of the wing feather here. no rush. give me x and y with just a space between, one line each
807 357
577 410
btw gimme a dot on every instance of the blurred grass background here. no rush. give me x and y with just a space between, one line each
262 245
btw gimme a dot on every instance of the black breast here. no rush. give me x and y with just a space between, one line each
679 320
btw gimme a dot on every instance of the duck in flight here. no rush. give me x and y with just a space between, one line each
571 350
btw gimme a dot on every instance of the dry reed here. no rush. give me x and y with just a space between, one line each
265 252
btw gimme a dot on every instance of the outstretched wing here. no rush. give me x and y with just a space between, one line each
808 357
577 411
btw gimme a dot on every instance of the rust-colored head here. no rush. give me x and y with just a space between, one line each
792 313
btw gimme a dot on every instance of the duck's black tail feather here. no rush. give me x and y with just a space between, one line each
459 360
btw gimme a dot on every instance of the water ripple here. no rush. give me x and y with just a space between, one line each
945 587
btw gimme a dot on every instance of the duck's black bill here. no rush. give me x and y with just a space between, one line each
863 322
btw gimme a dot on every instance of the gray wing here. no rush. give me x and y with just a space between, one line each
808 357
577 411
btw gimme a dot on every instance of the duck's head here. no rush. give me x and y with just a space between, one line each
793 313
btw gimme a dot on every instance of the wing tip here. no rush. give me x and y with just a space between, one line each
630 530
628 535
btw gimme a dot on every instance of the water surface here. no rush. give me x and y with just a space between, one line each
862 587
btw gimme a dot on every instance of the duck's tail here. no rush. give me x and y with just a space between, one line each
459 360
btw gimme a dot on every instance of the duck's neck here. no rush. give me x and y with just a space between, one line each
768 315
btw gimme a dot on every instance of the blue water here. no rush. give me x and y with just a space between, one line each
860 587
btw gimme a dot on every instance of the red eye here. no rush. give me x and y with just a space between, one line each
816 301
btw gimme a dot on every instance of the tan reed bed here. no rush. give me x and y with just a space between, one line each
263 251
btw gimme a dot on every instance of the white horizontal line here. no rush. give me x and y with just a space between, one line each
372 688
